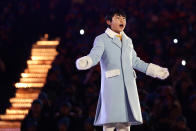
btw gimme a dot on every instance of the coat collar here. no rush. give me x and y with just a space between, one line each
116 40
112 34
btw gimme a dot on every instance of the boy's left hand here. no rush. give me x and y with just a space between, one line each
157 71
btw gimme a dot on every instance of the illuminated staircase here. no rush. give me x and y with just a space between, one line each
32 80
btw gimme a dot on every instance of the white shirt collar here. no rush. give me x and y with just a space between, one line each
111 33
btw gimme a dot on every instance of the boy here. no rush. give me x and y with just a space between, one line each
118 105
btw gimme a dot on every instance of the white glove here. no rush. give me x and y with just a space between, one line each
157 71
84 63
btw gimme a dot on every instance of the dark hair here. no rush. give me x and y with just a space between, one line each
114 11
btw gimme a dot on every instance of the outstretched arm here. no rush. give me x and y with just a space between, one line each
93 57
151 69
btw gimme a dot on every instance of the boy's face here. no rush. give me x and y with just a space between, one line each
118 23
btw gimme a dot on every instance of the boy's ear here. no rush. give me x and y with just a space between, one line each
108 22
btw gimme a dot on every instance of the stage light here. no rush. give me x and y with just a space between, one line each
17 111
12 117
34 75
183 62
21 100
47 42
82 32
175 41
27 95
29 85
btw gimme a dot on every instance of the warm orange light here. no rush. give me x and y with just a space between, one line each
43 57
35 62
12 117
53 50
39 66
36 71
46 36
19 100
21 105
44 53
17 111
34 75
10 125
47 43
40 80
28 85
29 95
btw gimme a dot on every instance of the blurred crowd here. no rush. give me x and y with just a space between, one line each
69 98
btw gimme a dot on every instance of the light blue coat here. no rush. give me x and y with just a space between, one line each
118 98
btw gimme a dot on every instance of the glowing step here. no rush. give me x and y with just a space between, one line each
47 42
36 71
34 75
44 53
27 95
21 105
29 85
38 53
10 124
19 100
43 57
35 50
39 66
12 117
32 80
39 62
28 90
44 46
7 128
17 111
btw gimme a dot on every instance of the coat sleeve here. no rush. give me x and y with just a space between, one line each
97 51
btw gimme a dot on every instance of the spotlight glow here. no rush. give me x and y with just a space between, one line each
82 32
183 62
175 41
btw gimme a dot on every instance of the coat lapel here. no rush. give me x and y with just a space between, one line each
112 35
117 42
126 43
124 40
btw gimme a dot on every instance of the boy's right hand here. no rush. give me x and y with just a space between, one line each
83 63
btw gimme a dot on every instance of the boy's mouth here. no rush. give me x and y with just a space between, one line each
121 25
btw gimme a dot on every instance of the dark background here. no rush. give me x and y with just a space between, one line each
72 95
